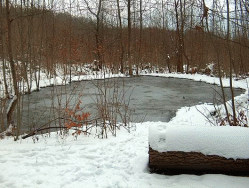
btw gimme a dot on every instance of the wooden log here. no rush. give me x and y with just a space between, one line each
177 162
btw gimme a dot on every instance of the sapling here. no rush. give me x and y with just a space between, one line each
76 119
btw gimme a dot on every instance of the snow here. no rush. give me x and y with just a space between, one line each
63 161
204 78
210 140
62 80
10 104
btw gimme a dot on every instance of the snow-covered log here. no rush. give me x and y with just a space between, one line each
191 149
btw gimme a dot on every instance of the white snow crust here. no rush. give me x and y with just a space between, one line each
225 141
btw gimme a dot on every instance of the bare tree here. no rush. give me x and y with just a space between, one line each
98 39
121 46
231 66
140 32
179 50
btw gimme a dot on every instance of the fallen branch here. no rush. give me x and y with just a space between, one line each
36 131
42 128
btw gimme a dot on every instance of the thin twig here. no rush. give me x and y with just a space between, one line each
204 116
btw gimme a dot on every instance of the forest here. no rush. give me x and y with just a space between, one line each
124 93
123 36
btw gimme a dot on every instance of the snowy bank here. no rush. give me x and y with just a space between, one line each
243 84
60 78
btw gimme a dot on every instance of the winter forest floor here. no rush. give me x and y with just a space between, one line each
63 161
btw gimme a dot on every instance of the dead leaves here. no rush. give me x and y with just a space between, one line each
75 118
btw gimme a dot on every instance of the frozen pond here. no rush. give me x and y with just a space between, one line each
149 98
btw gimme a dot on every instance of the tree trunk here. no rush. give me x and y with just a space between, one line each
97 36
120 40
140 34
23 61
70 45
129 38
231 66
3 53
12 65
179 40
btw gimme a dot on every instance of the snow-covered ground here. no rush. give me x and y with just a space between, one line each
120 161
63 161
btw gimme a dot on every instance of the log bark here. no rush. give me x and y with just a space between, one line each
177 162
